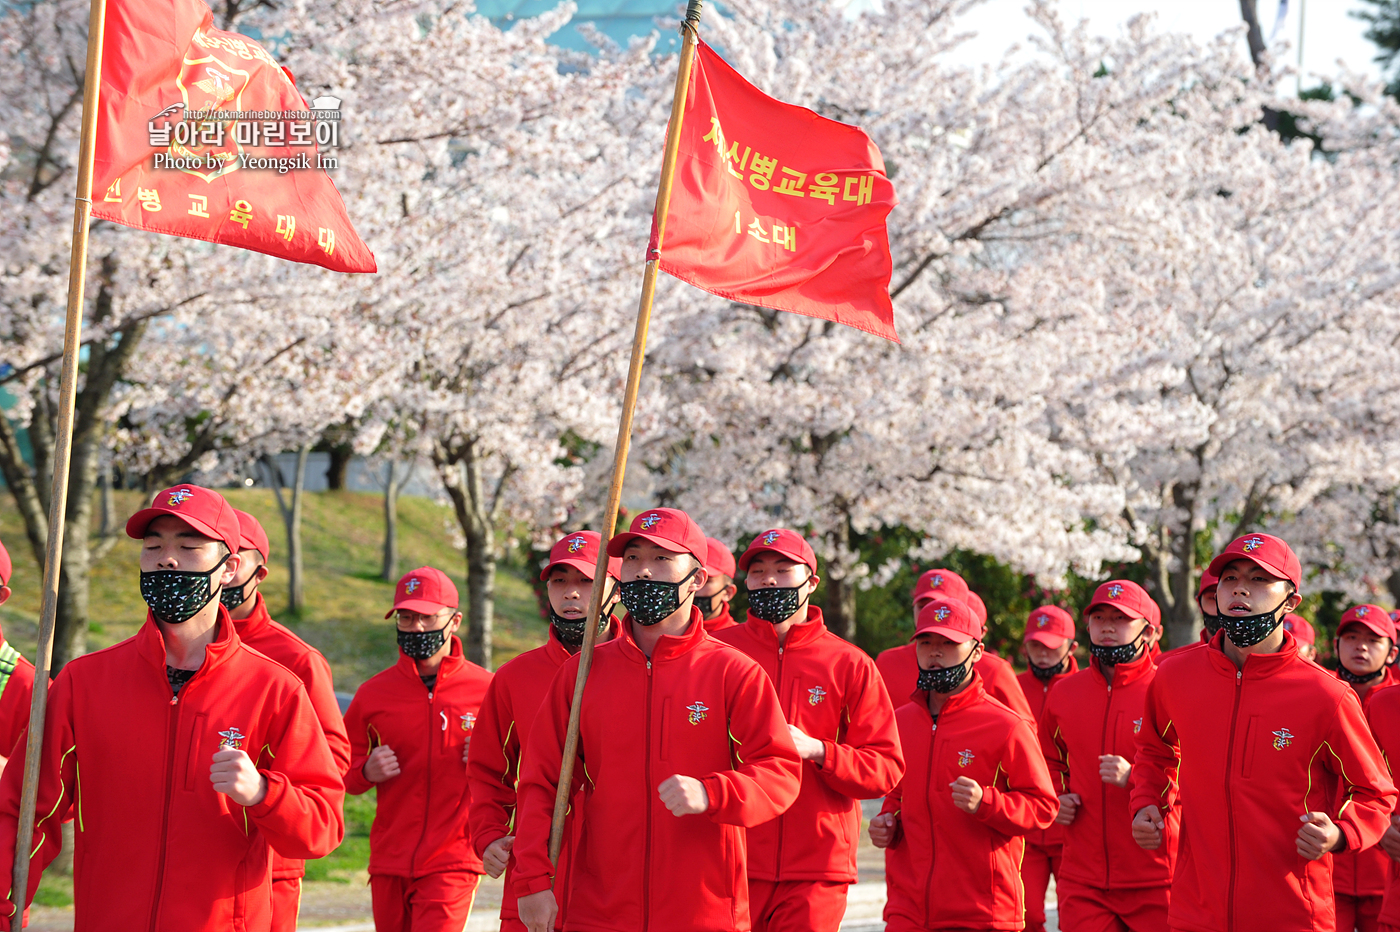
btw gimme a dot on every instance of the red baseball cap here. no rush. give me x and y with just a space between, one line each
784 543
1209 582
1298 626
5 567
202 509
1050 625
940 584
979 608
252 533
425 591
580 550
1129 598
1269 552
668 528
1371 617
718 560
950 618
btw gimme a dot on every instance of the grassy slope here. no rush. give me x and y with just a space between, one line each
342 533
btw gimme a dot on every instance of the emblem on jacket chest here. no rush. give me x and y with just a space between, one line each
697 712
815 695
231 738
965 757
1282 739
468 722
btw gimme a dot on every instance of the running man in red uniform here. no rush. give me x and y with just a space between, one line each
714 597
512 701
256 629
410 727
976 783
682 746
16 676
1049 647
842 723
184 757
1269 755
1089 731
1365 650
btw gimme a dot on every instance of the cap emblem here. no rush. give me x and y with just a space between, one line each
941 612
1282 739
1288 625
697 712
815 695
650 520
1115 591
965 757
576 544
1251 545
179 497
771 536
937 581
412 586
1361 611
1041 621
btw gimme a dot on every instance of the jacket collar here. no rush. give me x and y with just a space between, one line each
151 644
256 623
450 664
973 694
1124 673
669 647
1256 666
798 635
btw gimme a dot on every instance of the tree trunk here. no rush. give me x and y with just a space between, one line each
481 564
389 569
291 521
339 466
839 608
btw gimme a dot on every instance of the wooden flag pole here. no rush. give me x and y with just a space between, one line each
624 430
63 447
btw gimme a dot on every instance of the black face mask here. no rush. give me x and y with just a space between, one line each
176 596
706 604
1212 623
774 603
1359 679
420 645
944 679
1248 630
569 631
1046 674
649 601
1118 653
232 597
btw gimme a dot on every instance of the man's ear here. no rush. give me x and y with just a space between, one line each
697 582
1293 602
261 572
1390 658
976 652
4 594
730 591
231 567
454 623
814 580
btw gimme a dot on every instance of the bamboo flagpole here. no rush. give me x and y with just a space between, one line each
624 430
63 447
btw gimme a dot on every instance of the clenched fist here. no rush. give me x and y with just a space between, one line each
684 795
1069 808
382 764
882 830
1148 827
497 854
234 775
967 794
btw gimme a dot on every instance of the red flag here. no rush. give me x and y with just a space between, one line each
159 166
776 206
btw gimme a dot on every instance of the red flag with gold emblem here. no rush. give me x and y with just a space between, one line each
201 134
777 206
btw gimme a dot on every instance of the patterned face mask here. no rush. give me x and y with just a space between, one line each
176 596
649 602
706 604
944 679
420 645
1248 630
775 603
1049 673
569 631
234 596
1119 653
1212 623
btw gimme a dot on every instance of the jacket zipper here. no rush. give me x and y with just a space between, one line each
428 795
173 718
928 805
1103 790
778 868
1229 801
646 863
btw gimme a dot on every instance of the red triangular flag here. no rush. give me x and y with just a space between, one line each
160 167
777 206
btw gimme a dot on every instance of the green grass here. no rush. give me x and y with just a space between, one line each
348 863
342 533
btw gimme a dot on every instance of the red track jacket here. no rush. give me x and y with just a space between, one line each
1256 748
493 768
900 669
1384 716
16 689
267 637
420 816
946 869
129 762
831 690
1364 873
698 708
1035 691
1085 717
722 622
